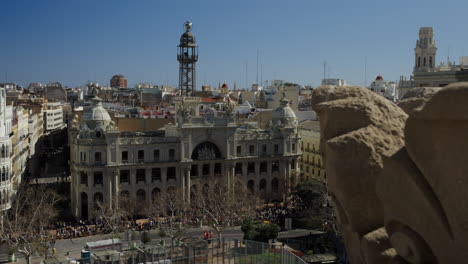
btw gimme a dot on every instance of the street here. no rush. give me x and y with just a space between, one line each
72 247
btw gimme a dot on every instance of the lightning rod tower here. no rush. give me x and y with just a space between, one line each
187 55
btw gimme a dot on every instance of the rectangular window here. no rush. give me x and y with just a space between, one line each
276 149
155 174
263 166
124 176
251 167
238 169
294 147
140 175
264 149
156 155
124 156
206 169
97 157
84 178
307 169
98 178
82 156
252 150
218 169
293 165
275 166
239 151
194 170
171 173
171 154
141 155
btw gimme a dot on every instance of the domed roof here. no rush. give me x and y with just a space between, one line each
283 111
96 115
225 85
188 38
379 78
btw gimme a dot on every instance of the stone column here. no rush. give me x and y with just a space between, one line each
116 185
188 183
288 176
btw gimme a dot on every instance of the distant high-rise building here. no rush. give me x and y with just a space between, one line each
118 81
187 56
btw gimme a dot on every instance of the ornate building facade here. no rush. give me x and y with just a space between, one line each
193 153
6 175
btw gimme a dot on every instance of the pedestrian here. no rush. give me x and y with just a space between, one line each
211 236
54 251
205 235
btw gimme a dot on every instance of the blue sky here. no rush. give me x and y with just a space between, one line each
79 41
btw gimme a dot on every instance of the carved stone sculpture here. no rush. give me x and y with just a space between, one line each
398 183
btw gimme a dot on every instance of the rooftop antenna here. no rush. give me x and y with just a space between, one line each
261 75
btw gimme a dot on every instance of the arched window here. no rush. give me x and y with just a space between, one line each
98 199
155 194
424 61
84 206
251 186
430 62
170 190
206 151
206 189
3 174
274 185
262 186
141 195
124 194
419 61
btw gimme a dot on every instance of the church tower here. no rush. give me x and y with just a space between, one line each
425 51
187 56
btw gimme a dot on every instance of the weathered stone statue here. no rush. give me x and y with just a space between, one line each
398 182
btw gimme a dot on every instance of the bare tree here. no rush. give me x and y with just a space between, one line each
175 211
24 226
222 206
112 216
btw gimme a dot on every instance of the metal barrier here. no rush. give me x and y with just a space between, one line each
195 251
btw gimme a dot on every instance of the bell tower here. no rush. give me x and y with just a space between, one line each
187 55
425 51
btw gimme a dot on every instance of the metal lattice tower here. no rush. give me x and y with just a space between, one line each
187 56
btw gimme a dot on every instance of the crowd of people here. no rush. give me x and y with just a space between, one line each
67 230
275 213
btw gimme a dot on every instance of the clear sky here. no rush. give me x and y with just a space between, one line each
74 42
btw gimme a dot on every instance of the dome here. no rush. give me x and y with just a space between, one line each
379 78
96 116
225 85
284 111
187 39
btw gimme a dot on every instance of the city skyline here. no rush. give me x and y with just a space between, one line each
74 43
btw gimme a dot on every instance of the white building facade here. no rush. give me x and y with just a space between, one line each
53 117
6 178
194 153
